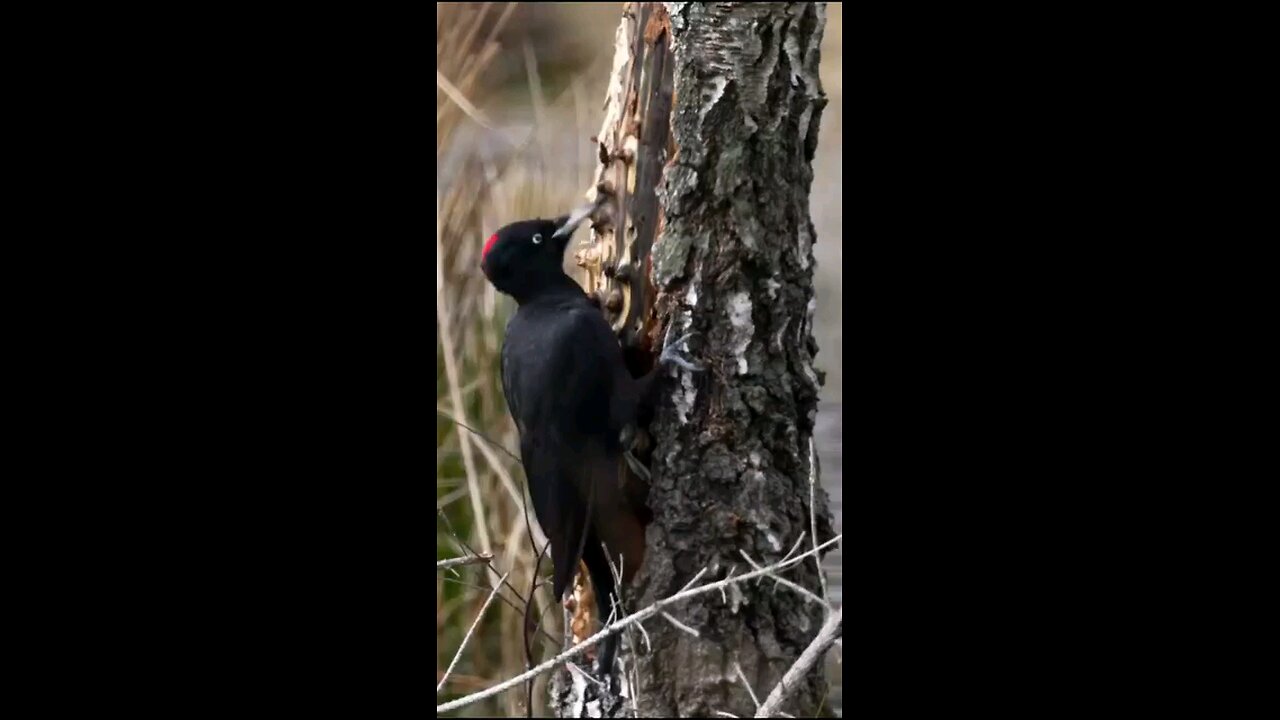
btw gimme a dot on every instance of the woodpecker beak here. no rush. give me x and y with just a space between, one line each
575 218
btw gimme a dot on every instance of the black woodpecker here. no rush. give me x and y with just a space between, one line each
571 397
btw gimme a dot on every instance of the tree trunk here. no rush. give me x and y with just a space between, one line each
710 130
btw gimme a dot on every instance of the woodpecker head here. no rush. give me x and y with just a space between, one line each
528 255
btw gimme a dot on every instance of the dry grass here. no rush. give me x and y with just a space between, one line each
480 488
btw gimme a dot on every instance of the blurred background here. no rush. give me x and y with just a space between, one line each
519 94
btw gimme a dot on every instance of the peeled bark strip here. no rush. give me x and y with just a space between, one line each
711 125
634 145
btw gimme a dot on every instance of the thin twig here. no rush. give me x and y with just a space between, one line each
546 636
471 551
648 647
827 635
813 513
449 416
723 597
681 626
583 673
465 560
743 677
805 592
467 549
630 671
689 584
619 626
467 638
507 483
617 576
795 547
534 534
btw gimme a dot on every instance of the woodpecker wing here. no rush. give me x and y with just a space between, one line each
560 363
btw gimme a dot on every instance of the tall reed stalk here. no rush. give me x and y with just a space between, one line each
486 177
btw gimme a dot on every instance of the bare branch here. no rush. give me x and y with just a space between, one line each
647 646
743 677
620 625
827 635
465 560
634 690
467 638
695 579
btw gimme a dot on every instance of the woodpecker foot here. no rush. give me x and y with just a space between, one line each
671 356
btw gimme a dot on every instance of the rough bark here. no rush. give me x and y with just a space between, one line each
711 126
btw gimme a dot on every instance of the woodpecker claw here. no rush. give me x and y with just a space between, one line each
670 355
675 359
683 338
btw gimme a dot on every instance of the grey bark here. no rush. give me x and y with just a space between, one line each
724 99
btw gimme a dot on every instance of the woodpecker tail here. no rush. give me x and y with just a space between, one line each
606 593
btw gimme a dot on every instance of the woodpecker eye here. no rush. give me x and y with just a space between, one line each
537 238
